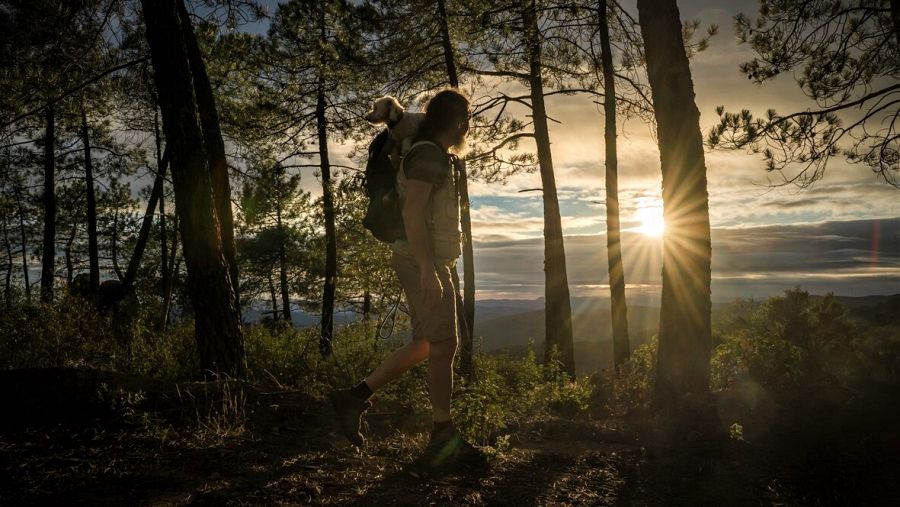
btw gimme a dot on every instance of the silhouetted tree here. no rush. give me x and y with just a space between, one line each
217 323
685 328
845 56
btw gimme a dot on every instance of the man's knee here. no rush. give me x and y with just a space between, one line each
446 347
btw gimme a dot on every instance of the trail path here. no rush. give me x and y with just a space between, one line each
291 455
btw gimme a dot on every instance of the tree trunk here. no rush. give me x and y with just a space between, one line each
163 240
114 246
327 324
558 306
146 225
7 285
330 234
273 297
93 248
282 267
619 310
367 305
895 17
466 306
24 238
215 149
70 268
217 323
169 277
447 44
48 251
684 327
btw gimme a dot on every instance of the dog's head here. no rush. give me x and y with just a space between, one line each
385 110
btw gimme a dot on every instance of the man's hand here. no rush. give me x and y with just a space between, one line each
432 292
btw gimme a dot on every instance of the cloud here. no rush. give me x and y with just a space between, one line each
847 257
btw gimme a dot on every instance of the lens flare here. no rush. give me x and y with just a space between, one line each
651 219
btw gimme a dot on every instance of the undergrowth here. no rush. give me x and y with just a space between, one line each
788 344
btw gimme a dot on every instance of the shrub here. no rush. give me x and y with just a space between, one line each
770 361
632 387
509 391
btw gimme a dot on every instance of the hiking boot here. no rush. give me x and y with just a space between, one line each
448 448
349 410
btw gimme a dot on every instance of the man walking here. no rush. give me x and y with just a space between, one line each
426 183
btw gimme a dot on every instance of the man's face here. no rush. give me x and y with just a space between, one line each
459 141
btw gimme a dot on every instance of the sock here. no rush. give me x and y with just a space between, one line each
441 426
362 391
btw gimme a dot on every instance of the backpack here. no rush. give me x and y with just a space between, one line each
383 213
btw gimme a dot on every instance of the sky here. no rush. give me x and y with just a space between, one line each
842 235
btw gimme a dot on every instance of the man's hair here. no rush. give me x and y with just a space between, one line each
445 111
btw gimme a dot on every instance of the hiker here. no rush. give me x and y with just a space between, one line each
426 184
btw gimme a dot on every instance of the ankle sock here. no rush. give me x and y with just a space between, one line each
361 391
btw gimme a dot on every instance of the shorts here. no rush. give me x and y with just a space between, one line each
435 323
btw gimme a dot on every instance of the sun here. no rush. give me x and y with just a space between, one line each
651 219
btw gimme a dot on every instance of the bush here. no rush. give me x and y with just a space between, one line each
798 343
766 360
632 387
509 391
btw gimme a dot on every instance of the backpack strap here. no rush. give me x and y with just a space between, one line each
414 145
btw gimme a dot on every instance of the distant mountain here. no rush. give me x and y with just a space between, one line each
498 328
592 333
299 317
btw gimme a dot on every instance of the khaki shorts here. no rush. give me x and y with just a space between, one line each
435 323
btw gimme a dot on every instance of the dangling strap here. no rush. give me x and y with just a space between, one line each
392 314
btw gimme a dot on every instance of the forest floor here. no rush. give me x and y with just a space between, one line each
79 437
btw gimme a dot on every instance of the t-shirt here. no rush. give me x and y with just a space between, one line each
428 163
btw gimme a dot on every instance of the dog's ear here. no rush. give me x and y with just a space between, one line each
395 110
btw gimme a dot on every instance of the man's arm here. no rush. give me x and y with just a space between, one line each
415 207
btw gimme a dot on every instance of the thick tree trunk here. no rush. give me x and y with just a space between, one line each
23 237
621 346
684 328
558 306
215 149
217 324
466 306
48 250
93 248
282 268
146 225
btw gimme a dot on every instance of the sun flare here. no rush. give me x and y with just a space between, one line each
651 219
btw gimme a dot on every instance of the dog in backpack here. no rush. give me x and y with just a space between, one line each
403 125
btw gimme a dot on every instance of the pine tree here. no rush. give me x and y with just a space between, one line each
844 55
217 323
684 329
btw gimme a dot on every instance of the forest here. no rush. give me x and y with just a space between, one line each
697 304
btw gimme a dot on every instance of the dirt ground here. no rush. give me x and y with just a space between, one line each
151 452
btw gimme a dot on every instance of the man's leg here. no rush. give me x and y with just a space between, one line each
394 365
440 379
351 403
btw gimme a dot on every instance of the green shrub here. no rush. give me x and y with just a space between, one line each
509 391
769 361
632 387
